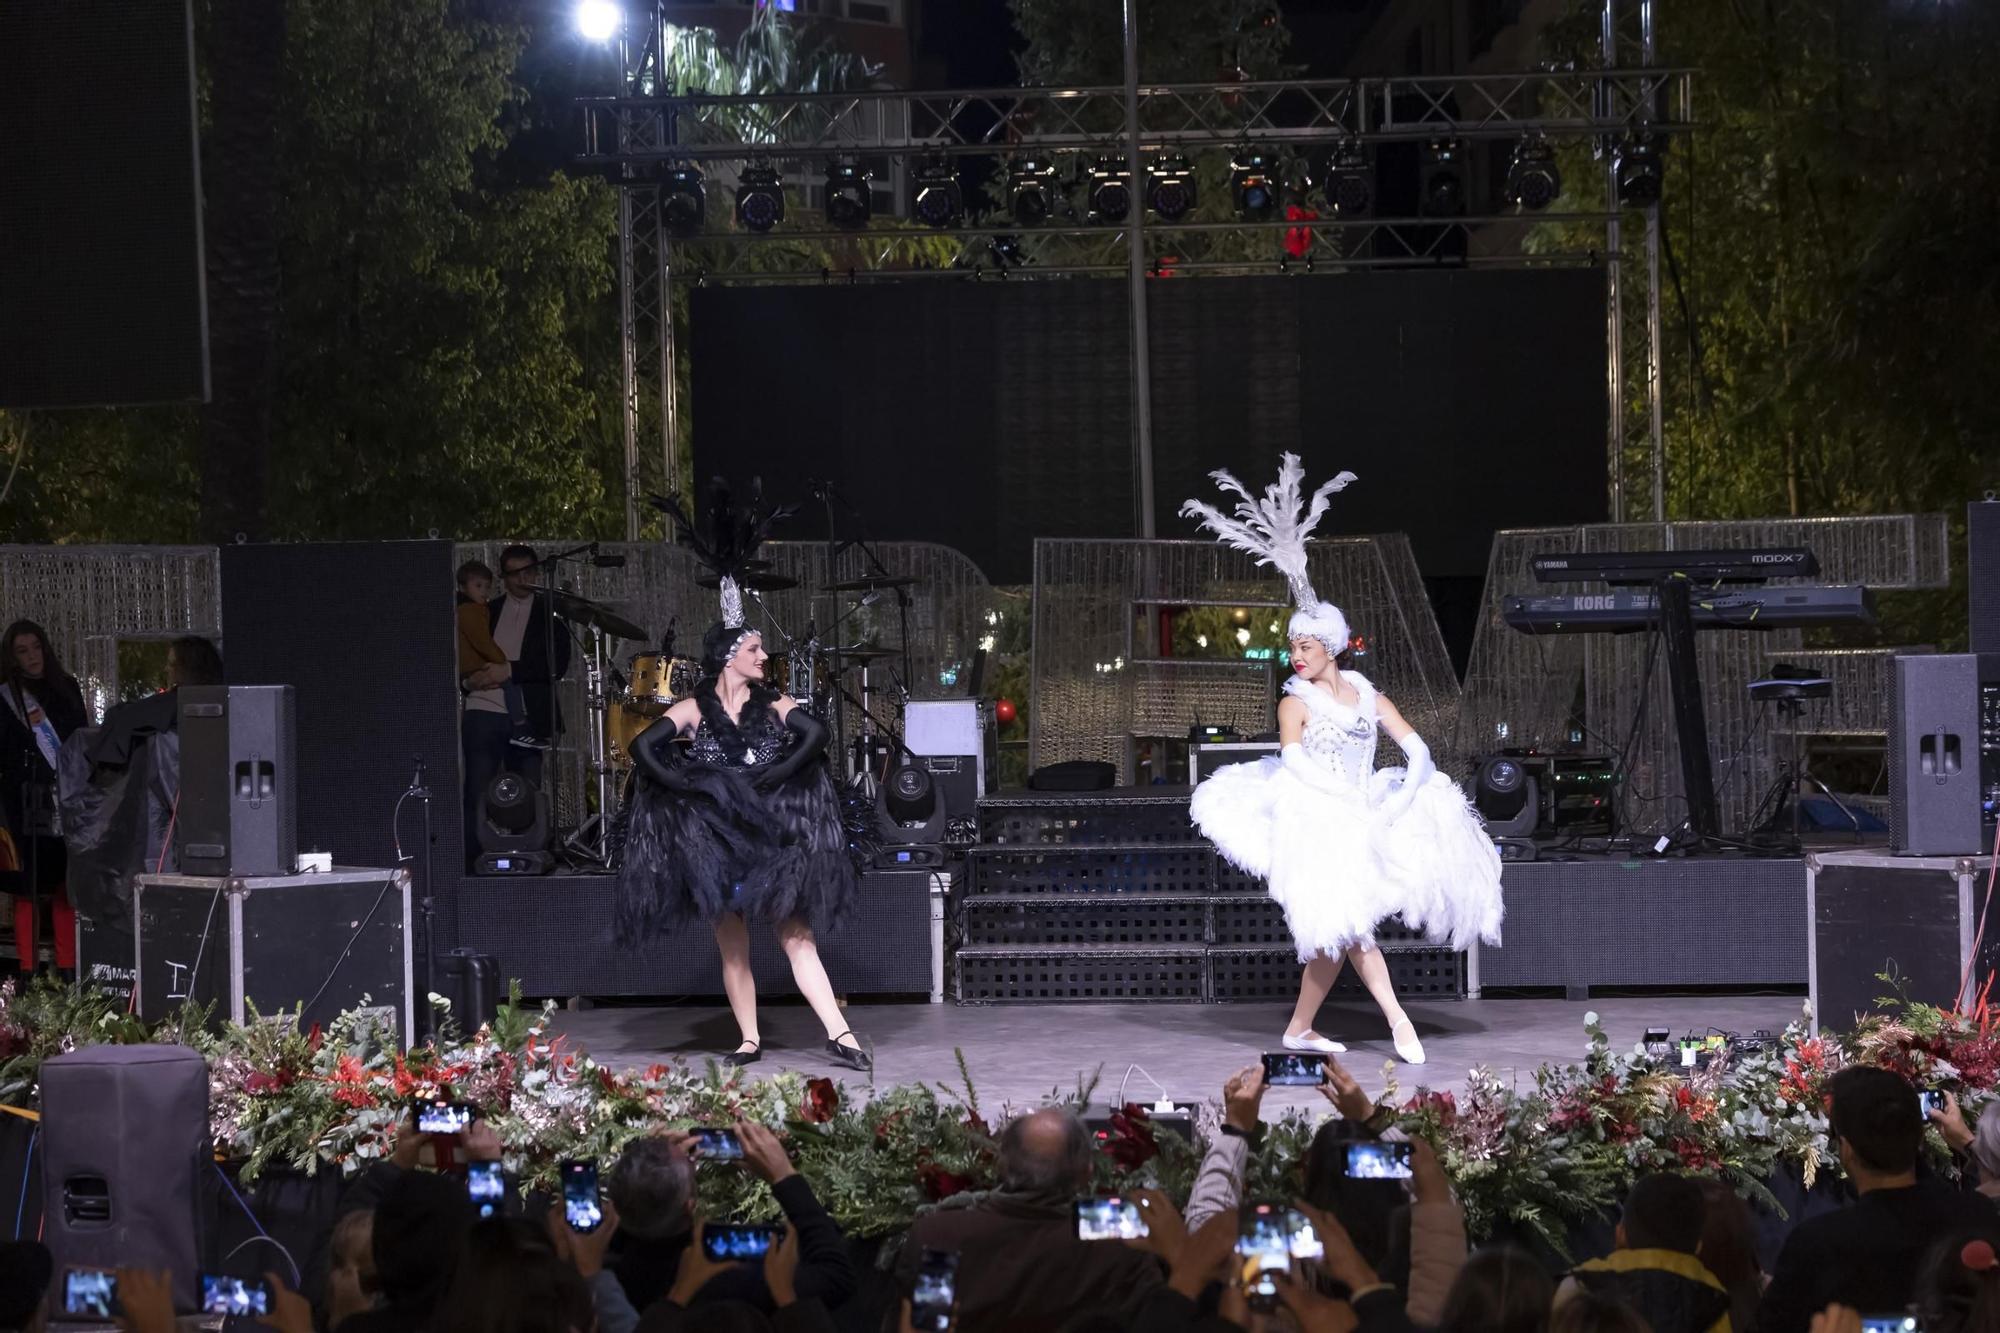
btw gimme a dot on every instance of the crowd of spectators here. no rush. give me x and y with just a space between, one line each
409 1251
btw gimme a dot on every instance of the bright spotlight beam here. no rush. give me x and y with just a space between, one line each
598 20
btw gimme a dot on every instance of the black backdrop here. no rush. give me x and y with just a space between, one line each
986 414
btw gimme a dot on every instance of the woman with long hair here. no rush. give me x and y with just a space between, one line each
734 816
40 705
1342 845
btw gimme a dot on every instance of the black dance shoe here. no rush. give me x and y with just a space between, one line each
738 1059
854 1057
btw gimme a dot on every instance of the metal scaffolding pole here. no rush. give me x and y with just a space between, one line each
1655 361
1135 245
1614 302
628 363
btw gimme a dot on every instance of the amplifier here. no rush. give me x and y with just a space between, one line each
1934 756
1206 757
238 812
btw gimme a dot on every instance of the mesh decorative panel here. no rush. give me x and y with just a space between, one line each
1530 691
1253 973
1088 972
1093 689
1059 818
1148 868
1007 919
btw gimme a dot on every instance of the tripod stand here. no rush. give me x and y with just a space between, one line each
1788 697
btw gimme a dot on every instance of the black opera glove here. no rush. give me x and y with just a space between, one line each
812 734
654 749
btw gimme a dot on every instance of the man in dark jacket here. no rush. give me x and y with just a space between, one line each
1020 1264
657 1256
1867 1255
524 630
1655 1269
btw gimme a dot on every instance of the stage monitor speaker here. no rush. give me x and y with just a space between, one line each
125 1139
1982 573
101 283
1934 756
239 781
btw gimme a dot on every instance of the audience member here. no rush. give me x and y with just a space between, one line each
1866 1255
41 706
509 1279
1594 1312
1500 1290
420 1223
652 1187
1021 1266
1977 1144
26 1269
1959 1290
1654 1268
350 1281
820 1270
1729 1249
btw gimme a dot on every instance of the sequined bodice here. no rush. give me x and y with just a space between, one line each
758 735
705 748
1339 738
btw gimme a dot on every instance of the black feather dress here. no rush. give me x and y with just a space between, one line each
706 842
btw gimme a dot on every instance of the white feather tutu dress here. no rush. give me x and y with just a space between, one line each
1334 857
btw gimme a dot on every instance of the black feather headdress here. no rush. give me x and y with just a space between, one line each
729 543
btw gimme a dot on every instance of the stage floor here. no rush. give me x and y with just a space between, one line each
1019 1054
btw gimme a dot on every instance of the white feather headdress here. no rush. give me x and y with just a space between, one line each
1274 528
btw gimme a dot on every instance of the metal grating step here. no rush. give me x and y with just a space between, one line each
989 974
1183 868
1073 818
1044 919
1246 973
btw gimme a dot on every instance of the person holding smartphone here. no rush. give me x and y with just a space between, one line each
742 822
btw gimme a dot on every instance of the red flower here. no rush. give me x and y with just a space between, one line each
1129 1141
976 1123
1443 1103
822 1100
313 1039
259 1083
939 1183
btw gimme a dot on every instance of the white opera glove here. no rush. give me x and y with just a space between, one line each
1418 770
1301 766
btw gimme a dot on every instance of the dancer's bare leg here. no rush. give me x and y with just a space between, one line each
796 938
1314 983
732 937
1373 970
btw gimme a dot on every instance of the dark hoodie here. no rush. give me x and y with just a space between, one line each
1669 1288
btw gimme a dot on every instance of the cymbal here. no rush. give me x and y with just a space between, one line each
873 583
752 581
583 611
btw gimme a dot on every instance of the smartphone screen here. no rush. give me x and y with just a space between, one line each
728 1242
1263 1249
719 1144
580 1206
935 1296
486 1186
1109 1218
1378 1160
1293 1069
234 1295
1889 1323
91 1292
1929 1100
437 1116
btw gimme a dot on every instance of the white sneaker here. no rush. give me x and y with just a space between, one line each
1312 1041
1408 1048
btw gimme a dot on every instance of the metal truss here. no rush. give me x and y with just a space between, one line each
1565 103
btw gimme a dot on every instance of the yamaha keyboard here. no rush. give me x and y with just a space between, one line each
1754 565
1629 609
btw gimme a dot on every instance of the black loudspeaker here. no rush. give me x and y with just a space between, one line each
1934 756
124 1141
101 285
1074 775
239 781
471 982
1982 573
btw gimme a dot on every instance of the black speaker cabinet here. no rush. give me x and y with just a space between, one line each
1909 919
239 781
1982 573
124 1142
1934 756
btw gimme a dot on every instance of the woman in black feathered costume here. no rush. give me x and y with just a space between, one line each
734 816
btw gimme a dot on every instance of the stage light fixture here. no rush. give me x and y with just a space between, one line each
1636 163
1110 190
1350 181
1443 180
1170 189
683 201
1507 797
848 202
1533 182
760 199
1031 189
938 201
1253 181
598 20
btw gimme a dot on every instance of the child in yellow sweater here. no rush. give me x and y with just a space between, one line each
477 651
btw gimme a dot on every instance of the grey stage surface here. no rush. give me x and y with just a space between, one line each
1018 1054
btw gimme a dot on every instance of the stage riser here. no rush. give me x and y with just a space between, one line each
1173 869
1084 974
1054 819
1696 922
1127 919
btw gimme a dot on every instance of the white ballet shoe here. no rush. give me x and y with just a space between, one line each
1312 1041
1408 1049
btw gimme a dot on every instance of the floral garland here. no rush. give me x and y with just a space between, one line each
1543 1158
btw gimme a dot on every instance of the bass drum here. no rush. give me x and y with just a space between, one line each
623 722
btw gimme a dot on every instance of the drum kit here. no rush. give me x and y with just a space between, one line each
812 667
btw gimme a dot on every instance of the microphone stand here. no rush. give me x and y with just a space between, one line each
426 907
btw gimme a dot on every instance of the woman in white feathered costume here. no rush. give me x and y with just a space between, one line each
1342 845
